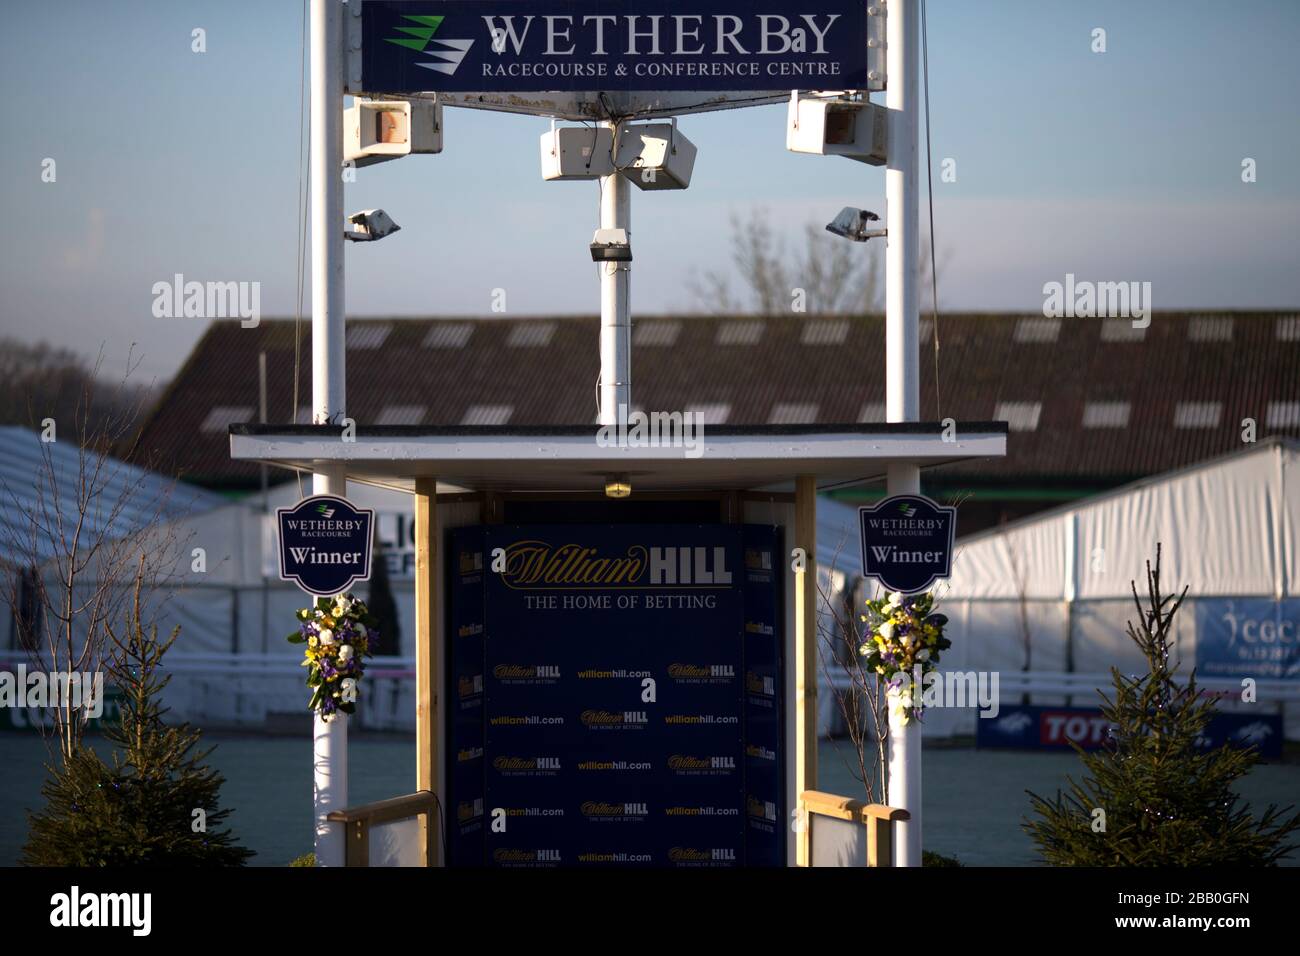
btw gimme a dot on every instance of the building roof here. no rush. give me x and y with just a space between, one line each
1091 401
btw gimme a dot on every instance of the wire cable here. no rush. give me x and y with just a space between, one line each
929 181
302 220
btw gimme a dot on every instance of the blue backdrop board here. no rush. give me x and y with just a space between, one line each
465 699
616 696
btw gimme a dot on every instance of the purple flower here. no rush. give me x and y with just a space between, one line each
328 670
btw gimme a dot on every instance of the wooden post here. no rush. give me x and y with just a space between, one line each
427 631
805 648
358 837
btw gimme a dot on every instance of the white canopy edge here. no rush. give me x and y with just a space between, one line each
754 459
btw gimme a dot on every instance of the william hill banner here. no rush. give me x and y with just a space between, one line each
411 46
615 694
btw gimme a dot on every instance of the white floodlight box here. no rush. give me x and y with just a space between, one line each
656 156
375 131
577 152
835 127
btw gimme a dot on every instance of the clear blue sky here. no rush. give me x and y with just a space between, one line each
1122 165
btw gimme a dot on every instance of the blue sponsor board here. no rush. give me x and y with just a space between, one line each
1023 727
411 46
466 814
599 679
325 544
907 542
1248 637
765 811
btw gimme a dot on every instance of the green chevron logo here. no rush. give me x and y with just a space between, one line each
448 54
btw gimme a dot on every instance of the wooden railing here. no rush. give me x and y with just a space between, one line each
358 821
876 818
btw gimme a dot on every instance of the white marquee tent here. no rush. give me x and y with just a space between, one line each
1051 593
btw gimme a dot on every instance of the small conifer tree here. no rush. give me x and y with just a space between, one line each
156 803
1152 796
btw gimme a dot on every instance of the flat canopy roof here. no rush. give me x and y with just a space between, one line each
546 458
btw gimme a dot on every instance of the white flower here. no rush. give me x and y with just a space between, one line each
895 598
923 654
326 636
345 652
900 707
886 630
907 640
319 613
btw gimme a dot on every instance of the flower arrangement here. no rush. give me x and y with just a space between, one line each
339 634
902 635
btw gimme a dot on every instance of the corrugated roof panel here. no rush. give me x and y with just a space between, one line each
448 335
401 415
655 334
532 334
1198 414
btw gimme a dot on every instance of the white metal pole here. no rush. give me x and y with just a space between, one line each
615 301
902 352
329 740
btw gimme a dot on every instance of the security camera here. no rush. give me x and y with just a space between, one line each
369 225
610 245
851 223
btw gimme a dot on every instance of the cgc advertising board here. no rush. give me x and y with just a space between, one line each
1248 637
907 542
324 544
414 46
604 680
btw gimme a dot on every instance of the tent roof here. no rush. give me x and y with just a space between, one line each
1226 527
142 494
1290 447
